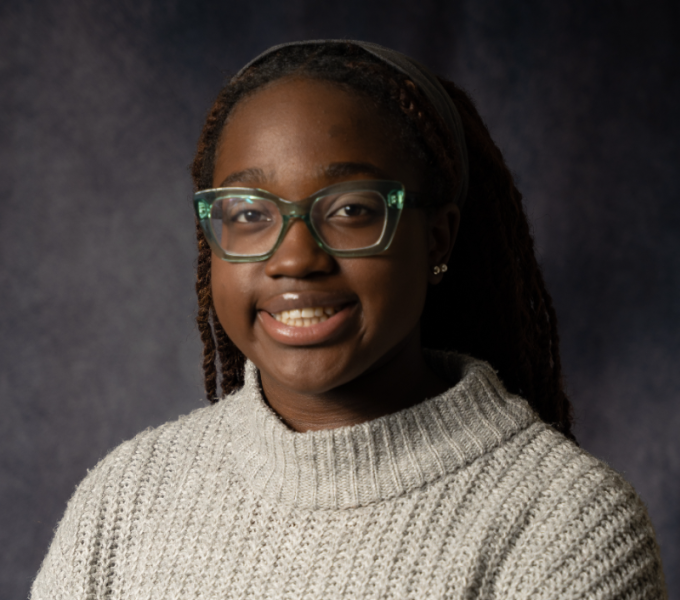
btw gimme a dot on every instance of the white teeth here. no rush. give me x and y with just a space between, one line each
305 317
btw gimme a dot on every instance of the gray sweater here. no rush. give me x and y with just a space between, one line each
466 495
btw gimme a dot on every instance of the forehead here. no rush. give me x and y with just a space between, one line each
304 104
295 127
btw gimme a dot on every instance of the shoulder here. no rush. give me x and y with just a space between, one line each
166 452
163 448
580 530
138 481
548 519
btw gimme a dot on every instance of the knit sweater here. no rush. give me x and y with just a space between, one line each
466 495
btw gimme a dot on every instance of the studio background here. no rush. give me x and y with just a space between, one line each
101 104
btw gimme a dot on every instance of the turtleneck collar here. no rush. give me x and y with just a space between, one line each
380 459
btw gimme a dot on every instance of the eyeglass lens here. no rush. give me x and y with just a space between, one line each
249 226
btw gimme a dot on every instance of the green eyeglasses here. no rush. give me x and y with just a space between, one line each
351 219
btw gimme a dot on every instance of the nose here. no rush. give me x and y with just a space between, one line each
299 255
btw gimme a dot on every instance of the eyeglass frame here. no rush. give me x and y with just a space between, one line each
393 193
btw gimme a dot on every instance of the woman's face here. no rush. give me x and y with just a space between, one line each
292 138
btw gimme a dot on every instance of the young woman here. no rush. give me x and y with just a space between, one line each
360 241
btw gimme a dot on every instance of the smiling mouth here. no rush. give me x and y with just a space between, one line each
305 317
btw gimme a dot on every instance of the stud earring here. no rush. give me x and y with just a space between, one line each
440 269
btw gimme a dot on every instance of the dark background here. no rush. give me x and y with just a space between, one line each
101 104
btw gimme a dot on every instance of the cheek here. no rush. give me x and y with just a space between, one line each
396 284
231 293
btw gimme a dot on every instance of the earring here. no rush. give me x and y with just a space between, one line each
440 269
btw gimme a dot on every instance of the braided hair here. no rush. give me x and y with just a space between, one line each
493 304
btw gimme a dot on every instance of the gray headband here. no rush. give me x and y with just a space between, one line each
424 80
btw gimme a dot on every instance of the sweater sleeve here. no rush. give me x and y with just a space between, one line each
594 539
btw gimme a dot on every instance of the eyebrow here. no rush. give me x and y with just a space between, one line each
251 176
345 169
256 176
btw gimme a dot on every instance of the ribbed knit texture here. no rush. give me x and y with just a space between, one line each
467 495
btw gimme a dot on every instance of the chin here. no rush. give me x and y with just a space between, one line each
312 375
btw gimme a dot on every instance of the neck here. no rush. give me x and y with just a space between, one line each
397 381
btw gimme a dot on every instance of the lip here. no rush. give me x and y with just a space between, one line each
305 299
312 335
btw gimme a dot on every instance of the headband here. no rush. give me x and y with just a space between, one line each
426 82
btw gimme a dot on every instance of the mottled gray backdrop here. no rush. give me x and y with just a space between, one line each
101 103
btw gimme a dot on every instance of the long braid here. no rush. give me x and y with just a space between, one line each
211 331
232 359
203 317
493 304
499 308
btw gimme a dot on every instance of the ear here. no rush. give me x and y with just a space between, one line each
443 225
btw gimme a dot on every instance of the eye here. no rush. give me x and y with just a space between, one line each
240 211
354 206
351 210
250 215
